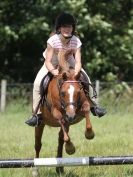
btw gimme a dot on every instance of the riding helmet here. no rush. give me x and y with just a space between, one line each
65 19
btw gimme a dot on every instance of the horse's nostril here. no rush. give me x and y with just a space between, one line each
69 119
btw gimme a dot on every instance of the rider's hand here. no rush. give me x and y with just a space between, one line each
55 72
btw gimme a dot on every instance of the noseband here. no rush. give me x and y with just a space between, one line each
63 103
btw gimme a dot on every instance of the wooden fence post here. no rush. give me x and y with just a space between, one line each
3 95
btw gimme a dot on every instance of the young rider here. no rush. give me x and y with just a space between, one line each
65 39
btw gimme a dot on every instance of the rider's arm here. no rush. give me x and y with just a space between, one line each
78 64
49 55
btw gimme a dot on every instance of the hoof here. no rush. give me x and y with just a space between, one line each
89 134
35 172
70 148
60 170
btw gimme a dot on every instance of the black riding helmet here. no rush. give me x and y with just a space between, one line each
65 19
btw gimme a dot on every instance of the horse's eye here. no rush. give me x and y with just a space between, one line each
62 94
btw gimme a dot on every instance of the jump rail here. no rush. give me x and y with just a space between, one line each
73 161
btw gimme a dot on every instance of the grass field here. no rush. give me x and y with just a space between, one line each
114 136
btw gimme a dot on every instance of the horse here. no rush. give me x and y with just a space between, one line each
65 104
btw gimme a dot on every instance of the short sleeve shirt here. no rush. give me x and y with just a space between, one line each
55 42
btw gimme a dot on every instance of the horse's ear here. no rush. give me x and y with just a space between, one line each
64 76
60 82
77 77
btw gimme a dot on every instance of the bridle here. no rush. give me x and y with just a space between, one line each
64 105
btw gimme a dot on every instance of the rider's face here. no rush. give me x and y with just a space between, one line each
66 30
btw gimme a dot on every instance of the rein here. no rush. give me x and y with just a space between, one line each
63 104
94 90
69 81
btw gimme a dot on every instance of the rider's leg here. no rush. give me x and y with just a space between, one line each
95 109
36 113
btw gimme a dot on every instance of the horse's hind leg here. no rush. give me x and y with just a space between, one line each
60 149
38 137
38 144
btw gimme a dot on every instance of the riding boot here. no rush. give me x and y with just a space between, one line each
97 111
35 120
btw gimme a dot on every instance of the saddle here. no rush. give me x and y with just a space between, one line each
44 86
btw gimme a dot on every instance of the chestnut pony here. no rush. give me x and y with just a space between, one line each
66 104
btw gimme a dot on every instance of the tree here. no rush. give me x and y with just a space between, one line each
105 29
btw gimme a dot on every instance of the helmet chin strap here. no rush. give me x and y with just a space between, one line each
67 37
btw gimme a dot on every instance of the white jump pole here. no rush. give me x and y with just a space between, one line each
73 161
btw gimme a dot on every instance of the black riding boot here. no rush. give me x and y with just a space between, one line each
97 111
35 120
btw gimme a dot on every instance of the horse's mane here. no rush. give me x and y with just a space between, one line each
64 66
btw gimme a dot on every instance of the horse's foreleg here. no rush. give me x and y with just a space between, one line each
58 116
69 146
89 133
38 136
65 131
70 149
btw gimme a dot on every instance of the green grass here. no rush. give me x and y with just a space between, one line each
114 134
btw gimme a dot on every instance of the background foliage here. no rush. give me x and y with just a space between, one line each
105 29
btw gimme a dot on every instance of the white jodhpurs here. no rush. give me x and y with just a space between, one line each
36 87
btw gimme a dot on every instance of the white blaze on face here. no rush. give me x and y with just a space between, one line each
71 94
